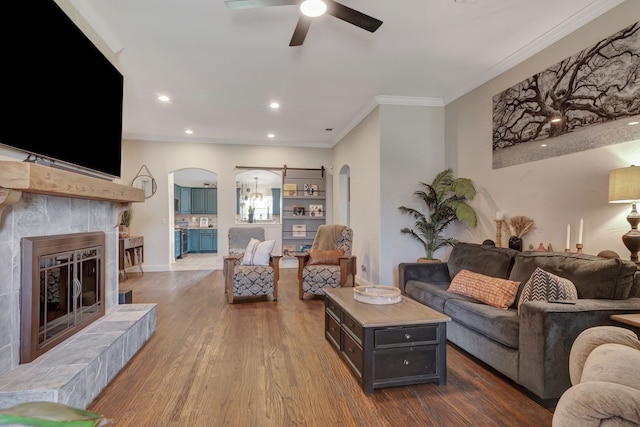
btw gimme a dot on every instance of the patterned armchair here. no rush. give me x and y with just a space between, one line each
329 263
249 280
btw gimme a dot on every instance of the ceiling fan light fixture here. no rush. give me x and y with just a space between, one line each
313 8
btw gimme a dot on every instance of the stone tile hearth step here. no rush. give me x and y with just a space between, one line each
78 369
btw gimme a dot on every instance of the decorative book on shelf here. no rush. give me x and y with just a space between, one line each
288 250
290 189
299 230
311 189
316 210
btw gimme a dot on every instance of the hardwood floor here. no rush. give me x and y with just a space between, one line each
264 363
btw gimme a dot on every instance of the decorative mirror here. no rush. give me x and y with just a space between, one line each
145 181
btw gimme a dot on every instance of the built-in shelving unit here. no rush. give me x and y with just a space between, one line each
303 206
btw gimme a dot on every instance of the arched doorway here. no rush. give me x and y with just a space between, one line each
195 222
344 207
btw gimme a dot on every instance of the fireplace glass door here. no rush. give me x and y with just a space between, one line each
62 289
69 291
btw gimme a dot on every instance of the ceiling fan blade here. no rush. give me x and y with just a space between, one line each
302 28
352 16
250 4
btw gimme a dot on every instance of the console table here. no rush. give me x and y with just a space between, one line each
387 345
131 253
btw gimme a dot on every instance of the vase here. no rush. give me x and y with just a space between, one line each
515 242
251 218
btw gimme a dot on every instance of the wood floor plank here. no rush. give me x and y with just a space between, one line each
265 363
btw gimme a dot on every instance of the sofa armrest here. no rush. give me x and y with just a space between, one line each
547 332
437 272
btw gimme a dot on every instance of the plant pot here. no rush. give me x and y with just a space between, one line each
123 231
429 261
250 218
515 242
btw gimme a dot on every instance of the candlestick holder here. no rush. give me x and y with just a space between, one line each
499 232
579 248
568 250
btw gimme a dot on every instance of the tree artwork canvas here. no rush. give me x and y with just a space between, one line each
548 114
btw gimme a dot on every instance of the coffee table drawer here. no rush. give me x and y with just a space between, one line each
426 334
354 327
332 307
397 363
332 331
353 352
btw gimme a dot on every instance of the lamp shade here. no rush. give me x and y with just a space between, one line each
624 185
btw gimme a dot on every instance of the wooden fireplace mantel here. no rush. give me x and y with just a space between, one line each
19 177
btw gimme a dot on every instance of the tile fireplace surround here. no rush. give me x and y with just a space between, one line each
77 370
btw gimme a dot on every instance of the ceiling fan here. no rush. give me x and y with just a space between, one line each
331 7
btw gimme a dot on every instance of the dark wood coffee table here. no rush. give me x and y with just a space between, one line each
387 345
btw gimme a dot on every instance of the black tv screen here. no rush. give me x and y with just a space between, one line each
62 97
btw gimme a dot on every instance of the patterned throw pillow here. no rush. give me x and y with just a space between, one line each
257 252
496 292
544 286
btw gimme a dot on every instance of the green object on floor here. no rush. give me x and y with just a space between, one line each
50 414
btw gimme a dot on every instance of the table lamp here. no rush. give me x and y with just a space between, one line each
624 187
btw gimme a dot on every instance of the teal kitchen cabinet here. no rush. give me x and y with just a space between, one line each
194 240
203 240
176 244
184 201
206 240
204 200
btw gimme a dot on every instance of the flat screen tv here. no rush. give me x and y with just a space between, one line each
62 97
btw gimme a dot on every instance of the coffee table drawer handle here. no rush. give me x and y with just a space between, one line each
407 336
350 350
406 362
351 324
332 328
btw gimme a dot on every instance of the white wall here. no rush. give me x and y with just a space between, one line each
412 147
360 150
553 192
152 219
388 153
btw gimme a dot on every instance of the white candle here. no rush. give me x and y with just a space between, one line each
580 231
568 235
500 215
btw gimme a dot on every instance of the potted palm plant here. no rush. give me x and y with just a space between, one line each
445 200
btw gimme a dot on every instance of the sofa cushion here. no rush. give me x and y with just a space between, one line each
544 286
593 277
483 259
491 290
500 325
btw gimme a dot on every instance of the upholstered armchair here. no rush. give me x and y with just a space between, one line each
604 367
329 263
250 269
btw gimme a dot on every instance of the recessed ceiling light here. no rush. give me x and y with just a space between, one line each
163 98
556 120
274 105
188 132
543 145
271 135
633 123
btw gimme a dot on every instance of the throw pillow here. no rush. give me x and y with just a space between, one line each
493 291
257 252
544 286
317 256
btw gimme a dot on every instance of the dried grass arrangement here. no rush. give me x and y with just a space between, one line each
520 225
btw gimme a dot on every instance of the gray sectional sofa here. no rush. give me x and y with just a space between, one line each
530 346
